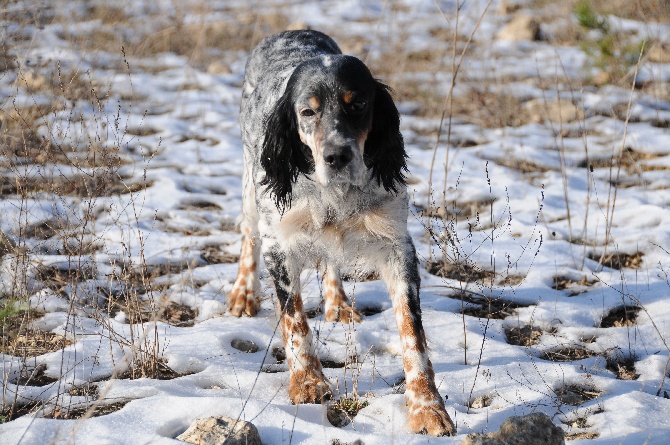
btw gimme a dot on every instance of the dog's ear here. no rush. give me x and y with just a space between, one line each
283 155
384 148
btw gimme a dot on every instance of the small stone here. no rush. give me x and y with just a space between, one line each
244 345
481 402
221 431
533 429
521 27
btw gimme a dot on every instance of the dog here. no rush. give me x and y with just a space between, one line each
324 181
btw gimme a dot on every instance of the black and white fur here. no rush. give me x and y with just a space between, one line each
324 182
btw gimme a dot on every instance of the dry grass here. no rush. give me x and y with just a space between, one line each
567 354
523 335
461 271
577 394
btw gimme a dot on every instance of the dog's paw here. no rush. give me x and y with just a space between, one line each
243 300
343 313
308 386
431 419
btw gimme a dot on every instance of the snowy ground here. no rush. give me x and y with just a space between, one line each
533 204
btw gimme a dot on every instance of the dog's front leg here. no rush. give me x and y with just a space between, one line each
426 411
307 382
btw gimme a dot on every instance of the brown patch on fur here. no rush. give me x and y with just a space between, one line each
242 299
337 303
347 97
426 412
307 382
314 102
308 386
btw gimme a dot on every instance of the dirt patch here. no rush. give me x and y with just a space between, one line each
93 410
20 341
459 211
370 310
216 255
33 377
342 412
620 316
523 335
563 283
618 260
623 367
87 390
574 394
483 307
461 271
567 354
332 364
512 280
199 205
582 435
94 185
151 368
15 411
521 165
177 314
58 277
139 310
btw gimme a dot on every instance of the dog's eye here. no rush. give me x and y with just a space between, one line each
359 106
307 112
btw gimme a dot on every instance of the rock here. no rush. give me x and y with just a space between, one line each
533 429
521 27
481 402
552 110
219 431
244 345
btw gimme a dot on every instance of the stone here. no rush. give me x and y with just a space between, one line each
521 27
555 111
533 429
221 431
244 345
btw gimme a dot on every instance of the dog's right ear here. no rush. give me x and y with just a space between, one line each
283 154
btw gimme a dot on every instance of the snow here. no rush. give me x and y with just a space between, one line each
521 226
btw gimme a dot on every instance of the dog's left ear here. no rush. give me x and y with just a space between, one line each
384 147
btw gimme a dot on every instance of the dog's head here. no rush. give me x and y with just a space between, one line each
336 123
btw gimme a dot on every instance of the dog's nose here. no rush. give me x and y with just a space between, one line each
338 157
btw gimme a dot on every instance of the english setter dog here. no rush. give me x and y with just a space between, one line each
323 181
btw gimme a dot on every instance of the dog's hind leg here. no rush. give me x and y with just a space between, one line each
337 307
244 298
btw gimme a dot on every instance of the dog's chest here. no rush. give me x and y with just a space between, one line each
312 226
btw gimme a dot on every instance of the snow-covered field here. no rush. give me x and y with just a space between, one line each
120 185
